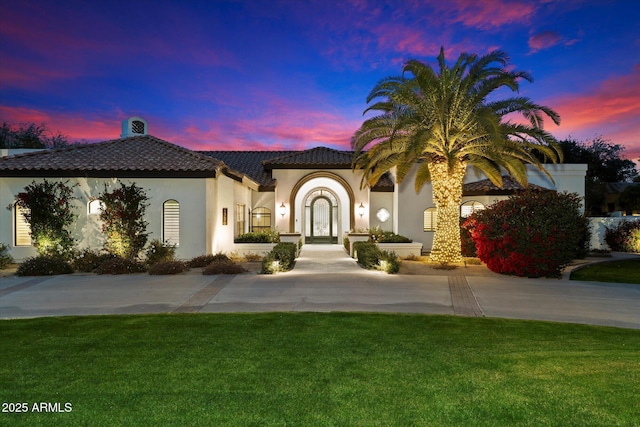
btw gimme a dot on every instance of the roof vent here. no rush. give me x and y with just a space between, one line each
134 126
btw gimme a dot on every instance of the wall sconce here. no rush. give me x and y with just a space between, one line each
361 210
225 216
283 209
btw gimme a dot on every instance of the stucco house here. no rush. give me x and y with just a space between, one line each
202 200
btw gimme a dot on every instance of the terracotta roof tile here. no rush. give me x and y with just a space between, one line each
319 157
133 156
485 186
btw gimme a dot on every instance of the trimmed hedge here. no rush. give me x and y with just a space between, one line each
371 257
168 267
532 234
281 258
624 237
205 260
88 260
377 235
270 236
119 265
44 265
222 266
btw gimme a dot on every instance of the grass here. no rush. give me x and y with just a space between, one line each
622 271
319 369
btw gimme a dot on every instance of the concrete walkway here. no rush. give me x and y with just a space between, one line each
325 279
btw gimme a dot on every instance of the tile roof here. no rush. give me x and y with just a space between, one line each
138 156
485 186
249 163
259 164
314 158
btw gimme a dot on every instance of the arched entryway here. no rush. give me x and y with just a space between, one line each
321 217
332 217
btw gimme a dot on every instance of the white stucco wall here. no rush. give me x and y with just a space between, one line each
379 201
188 192
567 177
288 178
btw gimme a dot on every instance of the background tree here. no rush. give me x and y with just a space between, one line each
30 135
440 121
630 198
49 212
605 164
123 220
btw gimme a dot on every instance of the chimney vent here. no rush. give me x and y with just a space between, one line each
134 126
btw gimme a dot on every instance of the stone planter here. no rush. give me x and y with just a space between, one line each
403 250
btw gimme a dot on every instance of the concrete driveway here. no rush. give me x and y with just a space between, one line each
325 279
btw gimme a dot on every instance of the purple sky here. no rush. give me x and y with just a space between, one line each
295 74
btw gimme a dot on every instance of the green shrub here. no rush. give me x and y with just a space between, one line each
389 262
377 235
205 260
624 237
281 258
347 243
49 212
123 220
5 258
532 234
371 257
88 260
160 252
268 236
44 265
168 267
222 266
119 265
367 254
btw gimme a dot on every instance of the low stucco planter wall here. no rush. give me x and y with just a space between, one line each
243 249
403 250
356 237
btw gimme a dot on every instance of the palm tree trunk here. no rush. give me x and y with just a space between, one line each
447 195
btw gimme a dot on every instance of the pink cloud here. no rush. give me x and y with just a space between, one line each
611 110
544 40
486 14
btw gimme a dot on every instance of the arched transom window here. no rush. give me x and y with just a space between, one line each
470 207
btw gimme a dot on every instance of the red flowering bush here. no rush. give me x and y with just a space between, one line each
624 237
532 234
49 212
123 220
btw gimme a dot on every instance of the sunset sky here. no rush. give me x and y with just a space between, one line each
247 75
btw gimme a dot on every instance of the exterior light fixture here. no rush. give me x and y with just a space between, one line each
283 209
361 210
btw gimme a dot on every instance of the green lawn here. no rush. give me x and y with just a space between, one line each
308 369
622 271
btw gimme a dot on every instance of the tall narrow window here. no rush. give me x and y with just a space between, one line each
171 222
470 207
240 219
22 227
430 219
260 219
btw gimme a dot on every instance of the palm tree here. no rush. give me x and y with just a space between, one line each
441 122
